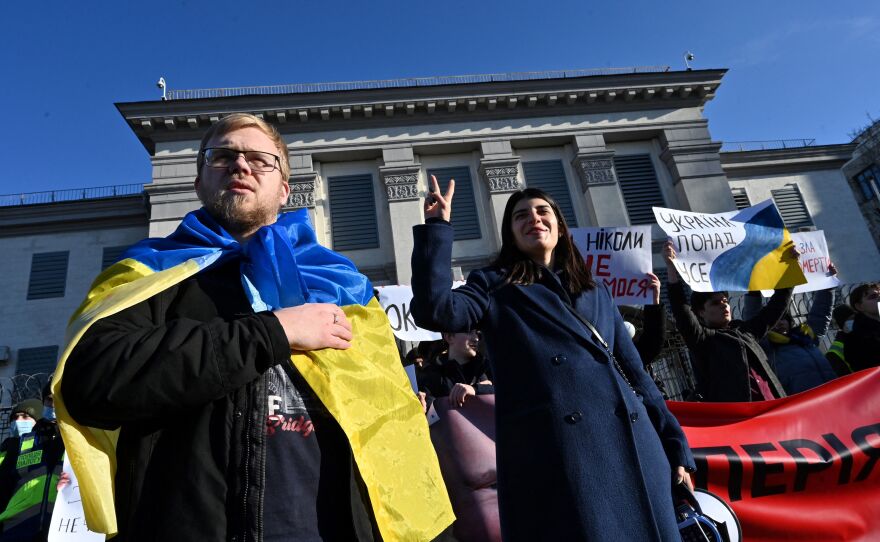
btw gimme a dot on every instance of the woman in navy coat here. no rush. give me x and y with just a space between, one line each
583 452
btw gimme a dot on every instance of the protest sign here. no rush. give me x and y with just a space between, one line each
620 258
396 301
68 518
740 250
814 262
805 467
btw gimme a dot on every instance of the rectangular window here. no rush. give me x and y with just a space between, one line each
639 186
792 208
353 212
549 176
740 198
464 209
48 275
865 178
111 255
39 360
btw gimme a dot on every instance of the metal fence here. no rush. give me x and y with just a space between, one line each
73 194
302 88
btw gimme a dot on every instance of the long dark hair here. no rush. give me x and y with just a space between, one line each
520 269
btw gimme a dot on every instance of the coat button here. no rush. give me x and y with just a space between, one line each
633 416
238 414
574 417
558 360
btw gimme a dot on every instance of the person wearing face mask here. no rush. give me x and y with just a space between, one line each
29 471
862 347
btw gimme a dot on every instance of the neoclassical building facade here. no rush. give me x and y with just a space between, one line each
607 144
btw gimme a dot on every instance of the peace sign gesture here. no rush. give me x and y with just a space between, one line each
437 204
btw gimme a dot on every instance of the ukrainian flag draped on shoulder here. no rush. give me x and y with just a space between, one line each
370 396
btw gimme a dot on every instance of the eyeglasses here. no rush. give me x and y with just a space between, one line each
220 158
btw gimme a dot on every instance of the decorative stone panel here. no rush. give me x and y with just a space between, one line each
401 184
302 190
501 175
594 169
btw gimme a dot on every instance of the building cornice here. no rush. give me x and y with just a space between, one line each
178 120
68 216
791 160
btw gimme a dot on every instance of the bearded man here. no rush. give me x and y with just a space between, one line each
216 385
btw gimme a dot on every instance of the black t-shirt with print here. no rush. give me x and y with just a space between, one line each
308 465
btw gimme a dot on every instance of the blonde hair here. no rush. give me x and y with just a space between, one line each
237 121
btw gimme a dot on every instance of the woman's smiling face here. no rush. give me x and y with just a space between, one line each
535 229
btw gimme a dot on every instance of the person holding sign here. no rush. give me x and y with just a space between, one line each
862 346
729 362
793 351
586 448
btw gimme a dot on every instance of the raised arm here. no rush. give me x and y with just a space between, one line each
819 317
752 303
767 317
686 321
435 305
653 325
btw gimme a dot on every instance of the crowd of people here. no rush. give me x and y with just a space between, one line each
190 422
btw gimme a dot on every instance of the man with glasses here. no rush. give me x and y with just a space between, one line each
220 436
727 358
862 345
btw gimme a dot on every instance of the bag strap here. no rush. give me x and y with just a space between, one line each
604 344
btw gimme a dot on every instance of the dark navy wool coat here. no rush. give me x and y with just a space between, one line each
580 455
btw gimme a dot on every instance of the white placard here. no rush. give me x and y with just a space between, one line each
396 301
68 518
814 262
619 257
734 251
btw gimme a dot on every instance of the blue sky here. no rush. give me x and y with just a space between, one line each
806 69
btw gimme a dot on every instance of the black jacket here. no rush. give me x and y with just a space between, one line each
862 346
721 356
182 375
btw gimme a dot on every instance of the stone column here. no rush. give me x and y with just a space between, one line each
594 164
693 160
401 177
499 169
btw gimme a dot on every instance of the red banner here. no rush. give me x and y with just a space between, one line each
800 468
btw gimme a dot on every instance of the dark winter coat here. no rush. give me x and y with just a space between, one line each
182 375
862 346
798 363
580 455
720 357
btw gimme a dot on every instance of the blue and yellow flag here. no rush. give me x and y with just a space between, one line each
364 387
737 251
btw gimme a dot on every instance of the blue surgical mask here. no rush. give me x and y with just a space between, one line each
22 427
49 413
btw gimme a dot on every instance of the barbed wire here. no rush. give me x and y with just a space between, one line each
16 389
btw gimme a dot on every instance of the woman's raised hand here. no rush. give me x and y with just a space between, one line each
439 205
